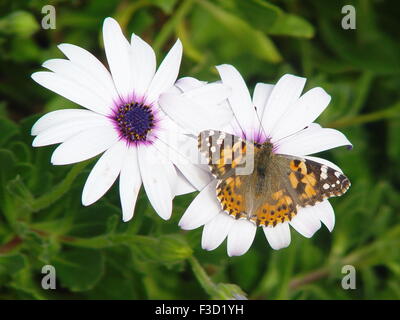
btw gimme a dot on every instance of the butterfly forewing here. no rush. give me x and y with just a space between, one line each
224 152
314 181
300 183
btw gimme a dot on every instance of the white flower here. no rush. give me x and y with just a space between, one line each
123 120
278 114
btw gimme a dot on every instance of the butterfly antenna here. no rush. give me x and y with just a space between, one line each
290 135
260 128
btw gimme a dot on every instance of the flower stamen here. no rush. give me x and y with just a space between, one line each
134 120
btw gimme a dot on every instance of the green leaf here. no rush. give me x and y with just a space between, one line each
21 151
221 291
7 168
166 249
26 285
172 23
97 220
7 172
173 248
260 14
8 130
19 23
291 25
250 277
79 269
253 40
119 281
21 196
59 190
229 291
381 55
11 264
166 5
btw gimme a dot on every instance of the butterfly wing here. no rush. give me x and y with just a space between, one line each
302 183
232 196
224 152
276 189
313 181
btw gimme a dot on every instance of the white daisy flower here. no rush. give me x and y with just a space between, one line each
123 120
280 116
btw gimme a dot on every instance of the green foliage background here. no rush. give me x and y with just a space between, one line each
96 255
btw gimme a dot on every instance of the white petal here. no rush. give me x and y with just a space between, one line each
183 186
325 162
118 52
157 176
143 64
239 100
306 132
193 116
197 176
240 237
202 209
261 95
57 117
286 91
262 92
215 231
189 83
166 74
85 145
174 89
72 91
306 221
312 141
70 71
175 152
326 214
209 94
67 129
129 183
278 236
88 62
169 125
104 173
303 112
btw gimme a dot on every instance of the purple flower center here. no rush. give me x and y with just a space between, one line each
134 121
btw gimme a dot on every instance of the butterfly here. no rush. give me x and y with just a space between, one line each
275 187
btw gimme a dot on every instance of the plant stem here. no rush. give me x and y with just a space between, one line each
172 23
127 9
363 88
209 287
59 190
308 278
10 245
355 258
370 117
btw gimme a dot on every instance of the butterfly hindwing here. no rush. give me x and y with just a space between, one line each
231 197
277 208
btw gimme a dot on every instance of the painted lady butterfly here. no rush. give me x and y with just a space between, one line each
276 186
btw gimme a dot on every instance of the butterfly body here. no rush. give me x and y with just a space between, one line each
277 186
